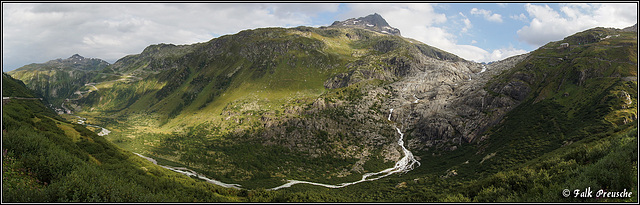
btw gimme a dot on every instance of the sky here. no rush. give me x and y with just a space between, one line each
481 32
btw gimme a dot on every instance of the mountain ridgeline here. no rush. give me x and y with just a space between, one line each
59 79
268 105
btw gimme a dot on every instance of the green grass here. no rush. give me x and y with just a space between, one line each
43 163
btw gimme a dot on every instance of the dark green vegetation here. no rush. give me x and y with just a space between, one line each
47 159
265 105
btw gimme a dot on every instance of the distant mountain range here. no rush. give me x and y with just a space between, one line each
59 79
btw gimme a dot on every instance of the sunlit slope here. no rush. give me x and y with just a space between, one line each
48 159
272 67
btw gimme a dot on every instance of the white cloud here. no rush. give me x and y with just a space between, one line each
520 17
548 24
474 41
487 15
467 23
428 26
503 53
35 33
397 14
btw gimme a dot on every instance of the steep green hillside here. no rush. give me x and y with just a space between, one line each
14 88
47 159
580 115
577 91
59 79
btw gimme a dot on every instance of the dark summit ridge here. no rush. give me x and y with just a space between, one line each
375 19
373 22
77 61
76 56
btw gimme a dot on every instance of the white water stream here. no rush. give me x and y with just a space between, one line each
403 165
190 173
103 131
484 68
81 120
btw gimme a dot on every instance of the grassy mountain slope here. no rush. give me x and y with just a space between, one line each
577 91
58 79
47 159
14 88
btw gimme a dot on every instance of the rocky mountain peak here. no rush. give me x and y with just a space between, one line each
76 57
77 61
373 22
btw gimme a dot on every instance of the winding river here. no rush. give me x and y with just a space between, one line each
403 165
190 173
81 120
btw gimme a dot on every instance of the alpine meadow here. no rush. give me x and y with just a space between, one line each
350 112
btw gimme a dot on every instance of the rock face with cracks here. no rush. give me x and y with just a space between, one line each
440 103
444 102
447 103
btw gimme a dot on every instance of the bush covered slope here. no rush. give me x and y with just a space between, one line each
47 159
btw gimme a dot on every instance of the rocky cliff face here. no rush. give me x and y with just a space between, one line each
373 22
440 104
443 103
448 103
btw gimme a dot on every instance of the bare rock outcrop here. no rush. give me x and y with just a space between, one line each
447 102
373 22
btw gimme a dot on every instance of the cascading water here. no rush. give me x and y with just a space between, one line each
403 165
